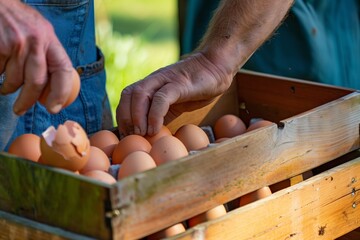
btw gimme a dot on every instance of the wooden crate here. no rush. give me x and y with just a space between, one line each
313 124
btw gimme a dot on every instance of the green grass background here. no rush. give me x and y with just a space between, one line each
137 37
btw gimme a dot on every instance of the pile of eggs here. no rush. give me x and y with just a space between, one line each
69 147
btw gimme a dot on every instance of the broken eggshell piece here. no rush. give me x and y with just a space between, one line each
67 147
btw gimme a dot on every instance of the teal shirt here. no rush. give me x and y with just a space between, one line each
318 41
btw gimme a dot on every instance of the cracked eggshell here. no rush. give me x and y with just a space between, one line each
67 147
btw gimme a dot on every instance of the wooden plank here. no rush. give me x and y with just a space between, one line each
54 196
15 227
325 206
276 98
235 167
262 95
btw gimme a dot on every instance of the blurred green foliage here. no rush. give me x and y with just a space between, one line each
137 37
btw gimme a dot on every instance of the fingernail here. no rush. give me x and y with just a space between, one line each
137 130
56 108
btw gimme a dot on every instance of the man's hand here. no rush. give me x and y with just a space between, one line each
186 85
31 56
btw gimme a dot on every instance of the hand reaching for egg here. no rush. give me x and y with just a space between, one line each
75 89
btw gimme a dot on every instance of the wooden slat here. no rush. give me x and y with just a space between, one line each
325 206
277 98
176 191
261 95
54 196
14 227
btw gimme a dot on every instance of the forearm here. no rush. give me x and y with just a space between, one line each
238 28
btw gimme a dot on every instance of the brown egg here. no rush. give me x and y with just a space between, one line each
127 145
100 176
164 131
253 196
97 161
26 146
258 124
65 147
219 140
229 126
105 140
167 149
74 90
168 232
135 162
211 214
192 136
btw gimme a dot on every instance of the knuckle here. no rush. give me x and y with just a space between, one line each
18 40
127 91
159 97
138 90
36 85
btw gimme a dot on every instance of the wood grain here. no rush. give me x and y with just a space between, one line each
53 196
18 228
325 206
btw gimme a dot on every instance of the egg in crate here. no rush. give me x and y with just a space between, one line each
258 123
135 162
105 140
168 148
98 160
26 146
100 176
193 137
254 196
211 214
127 145
164 131
229 126
167 232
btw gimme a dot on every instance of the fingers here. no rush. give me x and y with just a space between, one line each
32 58
60 77
133 108
123 112
35 78
161 102
139 110
14 73
143 105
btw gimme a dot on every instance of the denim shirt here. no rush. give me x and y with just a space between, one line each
318 41
73 21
